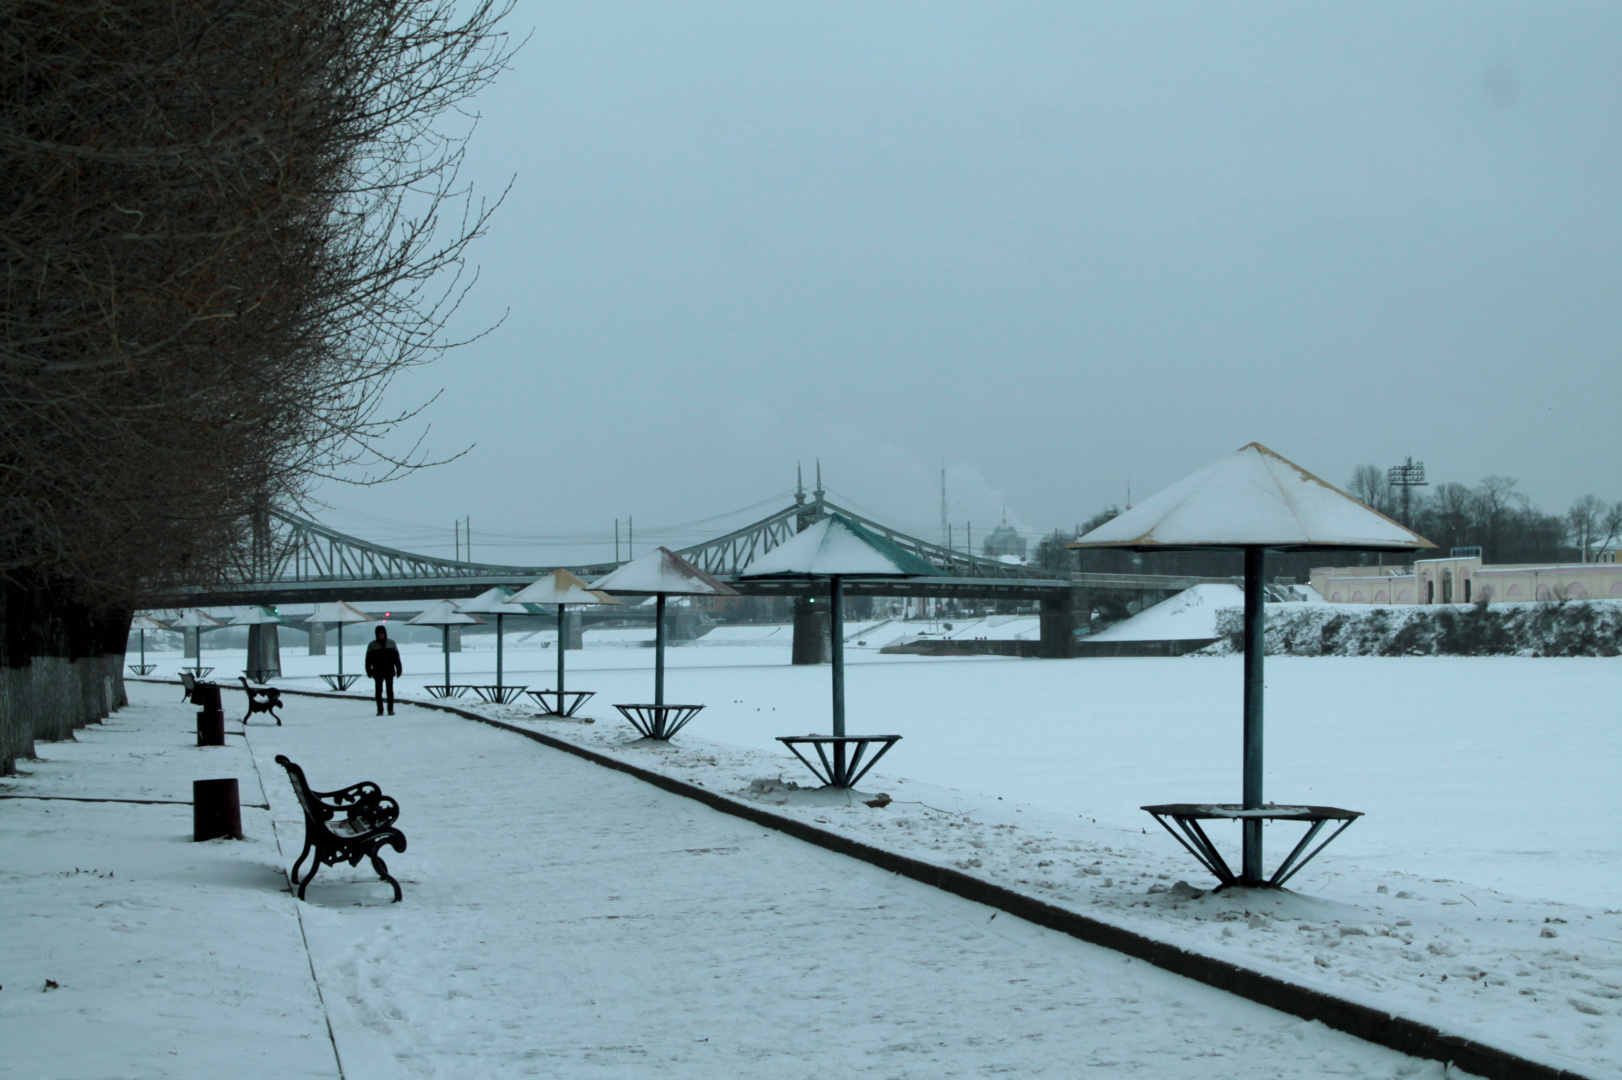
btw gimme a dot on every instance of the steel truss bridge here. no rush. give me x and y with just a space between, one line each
302 561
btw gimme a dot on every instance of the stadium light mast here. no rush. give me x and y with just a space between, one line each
1405 477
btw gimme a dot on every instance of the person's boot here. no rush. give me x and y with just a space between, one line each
391 710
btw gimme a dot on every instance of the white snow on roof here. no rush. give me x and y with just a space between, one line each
146 622
194 618
822 550
1191 614
662 571
1252 498
338 611
561 587
443 613
257 616
496 600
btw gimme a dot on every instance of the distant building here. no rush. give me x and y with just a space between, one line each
1464 579
1004 541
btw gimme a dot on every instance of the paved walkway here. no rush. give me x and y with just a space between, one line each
560 920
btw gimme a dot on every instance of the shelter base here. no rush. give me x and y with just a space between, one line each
841 759
498 695
1187 817
560 702
659 721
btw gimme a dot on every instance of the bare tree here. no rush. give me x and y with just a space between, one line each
1493 499
1370 487
226 226
1583 519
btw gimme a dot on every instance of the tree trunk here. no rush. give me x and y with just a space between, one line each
61 665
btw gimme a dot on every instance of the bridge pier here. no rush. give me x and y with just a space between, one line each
318 638
265 649
188 638
810 631
1058 625
576 634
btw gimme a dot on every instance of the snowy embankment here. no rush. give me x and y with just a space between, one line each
560 920
1557 628
1191 615
1538 978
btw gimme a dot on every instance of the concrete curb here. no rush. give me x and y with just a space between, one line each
1371 1025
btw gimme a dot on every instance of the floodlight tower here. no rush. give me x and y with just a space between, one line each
1405 477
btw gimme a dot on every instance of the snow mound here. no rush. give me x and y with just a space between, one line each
1190 614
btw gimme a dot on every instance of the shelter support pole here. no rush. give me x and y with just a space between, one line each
447 651
340 648
836 643
1255 646
143 647
659 650
563 646
498 651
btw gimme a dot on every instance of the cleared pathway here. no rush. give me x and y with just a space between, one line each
563 920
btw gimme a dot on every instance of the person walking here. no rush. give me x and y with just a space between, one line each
383 664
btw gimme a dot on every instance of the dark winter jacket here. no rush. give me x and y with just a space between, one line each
383 659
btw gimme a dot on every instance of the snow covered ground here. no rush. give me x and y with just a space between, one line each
1489 786
560 920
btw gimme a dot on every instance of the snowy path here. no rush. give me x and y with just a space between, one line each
171 959
560 920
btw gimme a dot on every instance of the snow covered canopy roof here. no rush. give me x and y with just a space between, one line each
257 616
496 600
561 587
338 611
837 546
1253 498
146 622
662 571
195 619
444 613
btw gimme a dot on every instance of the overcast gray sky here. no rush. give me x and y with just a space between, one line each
1062 246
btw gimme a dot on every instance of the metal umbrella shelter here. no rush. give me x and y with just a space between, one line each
256 618
343 614
837 548
1252 501
660 573
197 621
444 615
141 624
496 601
560 589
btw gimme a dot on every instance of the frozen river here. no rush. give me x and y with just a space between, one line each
1501 772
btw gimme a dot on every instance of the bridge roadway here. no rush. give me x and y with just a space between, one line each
306 562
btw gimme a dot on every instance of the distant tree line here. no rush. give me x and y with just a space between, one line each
1496 518
1492 515
221 238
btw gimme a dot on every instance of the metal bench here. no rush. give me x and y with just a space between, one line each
188 686
262 699
1189 815
447 690
364 830
339 682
